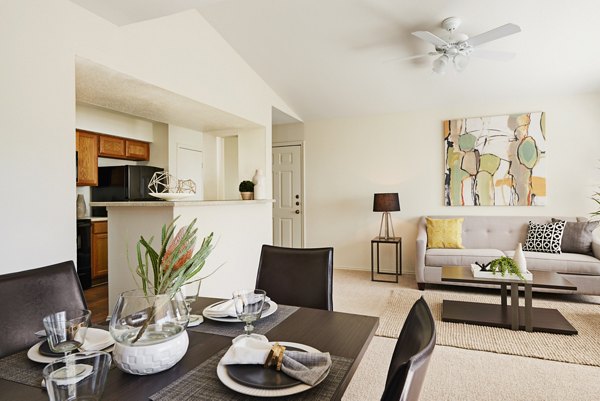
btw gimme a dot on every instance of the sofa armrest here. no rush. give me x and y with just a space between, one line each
596 243
420 251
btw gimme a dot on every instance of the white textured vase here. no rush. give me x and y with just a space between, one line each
259 185
150 359
519 258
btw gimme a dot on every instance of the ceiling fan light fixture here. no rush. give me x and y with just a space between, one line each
461 61
440 64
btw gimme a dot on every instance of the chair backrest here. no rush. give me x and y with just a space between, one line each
27 296
411 355
297 276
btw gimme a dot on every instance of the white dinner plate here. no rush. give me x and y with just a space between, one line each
95 338
229 319
261 392
171 197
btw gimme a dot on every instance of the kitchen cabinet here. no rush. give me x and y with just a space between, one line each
99 249
111 146
86 145
137 150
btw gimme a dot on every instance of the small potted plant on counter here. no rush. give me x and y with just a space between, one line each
247 190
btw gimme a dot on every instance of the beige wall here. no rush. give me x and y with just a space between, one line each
347 160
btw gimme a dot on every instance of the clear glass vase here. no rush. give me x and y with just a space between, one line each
139 319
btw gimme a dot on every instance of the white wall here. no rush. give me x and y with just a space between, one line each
40 40
348 160
110 122
231 171
288 132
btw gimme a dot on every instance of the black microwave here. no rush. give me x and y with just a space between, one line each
123 183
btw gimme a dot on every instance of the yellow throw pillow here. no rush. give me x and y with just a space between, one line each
444 233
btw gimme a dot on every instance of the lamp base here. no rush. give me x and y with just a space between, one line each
387 218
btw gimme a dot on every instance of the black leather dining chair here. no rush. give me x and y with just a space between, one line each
411 355
27 296
297 276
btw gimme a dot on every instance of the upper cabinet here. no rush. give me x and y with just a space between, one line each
111 146
121 148
137 150
87 158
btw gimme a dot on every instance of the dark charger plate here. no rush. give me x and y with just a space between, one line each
257 376
46 351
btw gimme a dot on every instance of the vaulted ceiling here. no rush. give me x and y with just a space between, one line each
330 58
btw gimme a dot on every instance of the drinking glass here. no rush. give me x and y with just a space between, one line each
248 307
88 385
66 330
190 292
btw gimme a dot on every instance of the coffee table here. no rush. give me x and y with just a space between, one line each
507 316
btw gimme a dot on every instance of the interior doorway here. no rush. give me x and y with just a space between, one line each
288 209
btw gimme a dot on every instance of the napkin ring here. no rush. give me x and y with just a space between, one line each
275 356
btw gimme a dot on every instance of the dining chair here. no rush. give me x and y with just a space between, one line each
411 355
27 296
297 276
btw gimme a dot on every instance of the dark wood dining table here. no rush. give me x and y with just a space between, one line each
341 334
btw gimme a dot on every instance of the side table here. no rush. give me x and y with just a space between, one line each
397 242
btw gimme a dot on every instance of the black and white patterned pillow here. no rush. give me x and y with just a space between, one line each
544 237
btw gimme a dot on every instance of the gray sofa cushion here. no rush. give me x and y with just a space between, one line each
577 237
572 263
460 257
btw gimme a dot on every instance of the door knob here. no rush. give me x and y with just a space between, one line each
297 212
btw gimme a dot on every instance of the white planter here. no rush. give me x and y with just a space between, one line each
150 359
519 258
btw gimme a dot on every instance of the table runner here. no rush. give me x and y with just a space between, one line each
235 329
18 368
202 384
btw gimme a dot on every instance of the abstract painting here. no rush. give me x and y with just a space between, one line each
495 161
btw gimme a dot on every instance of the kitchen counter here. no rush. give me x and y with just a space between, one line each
93 219
240 229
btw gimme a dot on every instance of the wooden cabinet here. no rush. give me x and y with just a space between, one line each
111 146
99 249
137 150
86 145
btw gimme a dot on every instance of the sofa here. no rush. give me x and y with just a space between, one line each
485 238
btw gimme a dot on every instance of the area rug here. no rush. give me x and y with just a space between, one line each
583 348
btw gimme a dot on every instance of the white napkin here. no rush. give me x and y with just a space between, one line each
96 340
308 367
225 309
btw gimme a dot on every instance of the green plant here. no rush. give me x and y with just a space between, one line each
165 270
505 265
246 186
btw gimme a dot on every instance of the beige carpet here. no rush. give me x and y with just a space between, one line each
583 349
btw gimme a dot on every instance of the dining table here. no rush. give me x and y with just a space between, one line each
345 336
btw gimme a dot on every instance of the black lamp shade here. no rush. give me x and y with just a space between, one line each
386 202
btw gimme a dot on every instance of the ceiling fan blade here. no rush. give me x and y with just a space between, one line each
494 34
431 38
493 54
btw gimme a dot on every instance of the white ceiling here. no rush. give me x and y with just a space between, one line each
325 58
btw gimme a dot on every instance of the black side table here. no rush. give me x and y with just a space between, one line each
397 242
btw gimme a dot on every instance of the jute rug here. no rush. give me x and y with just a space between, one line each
583 348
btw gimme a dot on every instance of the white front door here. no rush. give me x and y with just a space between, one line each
287 192
189 167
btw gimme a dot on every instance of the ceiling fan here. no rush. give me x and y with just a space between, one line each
458 47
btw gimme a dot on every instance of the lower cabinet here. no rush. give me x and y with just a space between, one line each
99 250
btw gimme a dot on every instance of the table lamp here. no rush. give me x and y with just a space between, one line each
386 203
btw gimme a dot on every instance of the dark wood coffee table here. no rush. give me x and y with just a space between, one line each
511 317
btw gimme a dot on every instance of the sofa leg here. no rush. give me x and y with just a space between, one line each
421 286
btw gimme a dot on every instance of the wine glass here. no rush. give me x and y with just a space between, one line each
65 331
190 291
248 307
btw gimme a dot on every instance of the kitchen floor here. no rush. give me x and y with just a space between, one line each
97 301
